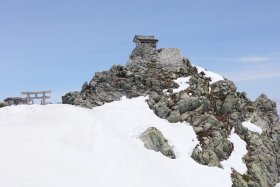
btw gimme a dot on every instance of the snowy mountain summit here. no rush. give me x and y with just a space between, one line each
157 121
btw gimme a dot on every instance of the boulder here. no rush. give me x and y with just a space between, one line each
161 110
222 88
264 104
174 117
205 157
153 139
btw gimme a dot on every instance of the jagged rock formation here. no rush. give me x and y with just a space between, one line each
153 139
266 115
212 108
142 76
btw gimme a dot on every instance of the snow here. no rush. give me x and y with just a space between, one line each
184 81
214 76
64 145
183 84
235 159
252 127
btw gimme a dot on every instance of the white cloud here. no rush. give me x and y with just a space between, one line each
249 76
255 59
247 59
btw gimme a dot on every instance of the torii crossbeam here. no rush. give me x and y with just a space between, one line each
37 95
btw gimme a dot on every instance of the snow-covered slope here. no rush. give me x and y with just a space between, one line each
214 76
64 145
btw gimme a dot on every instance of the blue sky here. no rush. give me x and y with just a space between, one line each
58 45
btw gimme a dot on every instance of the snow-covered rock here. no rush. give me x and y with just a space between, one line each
214 76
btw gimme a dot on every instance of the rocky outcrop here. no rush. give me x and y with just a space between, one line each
3 104
266 116
153 139
212 109
144 53
262 159
133 80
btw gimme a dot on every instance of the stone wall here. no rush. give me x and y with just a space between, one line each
170 57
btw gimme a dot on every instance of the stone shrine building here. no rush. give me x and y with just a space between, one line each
141 39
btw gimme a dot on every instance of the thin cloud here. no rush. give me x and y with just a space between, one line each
254 59
250 76
247 59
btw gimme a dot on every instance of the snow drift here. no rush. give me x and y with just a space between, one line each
64 145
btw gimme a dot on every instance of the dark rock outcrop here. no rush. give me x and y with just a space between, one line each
16 101
3 104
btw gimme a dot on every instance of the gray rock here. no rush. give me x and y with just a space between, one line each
199 85
161 110
264 104
222 88
174 117
229 104
143 52
185 105
239 180
206 157
262 159
153 139
3 104
84 87
199 104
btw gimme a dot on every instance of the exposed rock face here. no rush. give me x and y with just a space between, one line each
263 158
212 110
133 80
144 52
154 140
266 116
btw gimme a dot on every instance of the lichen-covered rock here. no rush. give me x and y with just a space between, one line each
206 157
174 116
199 85
221 89
153 139
266 116
199 104
144 52
264 104
161 110
262 159
239 180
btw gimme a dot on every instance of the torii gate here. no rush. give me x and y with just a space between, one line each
37 95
